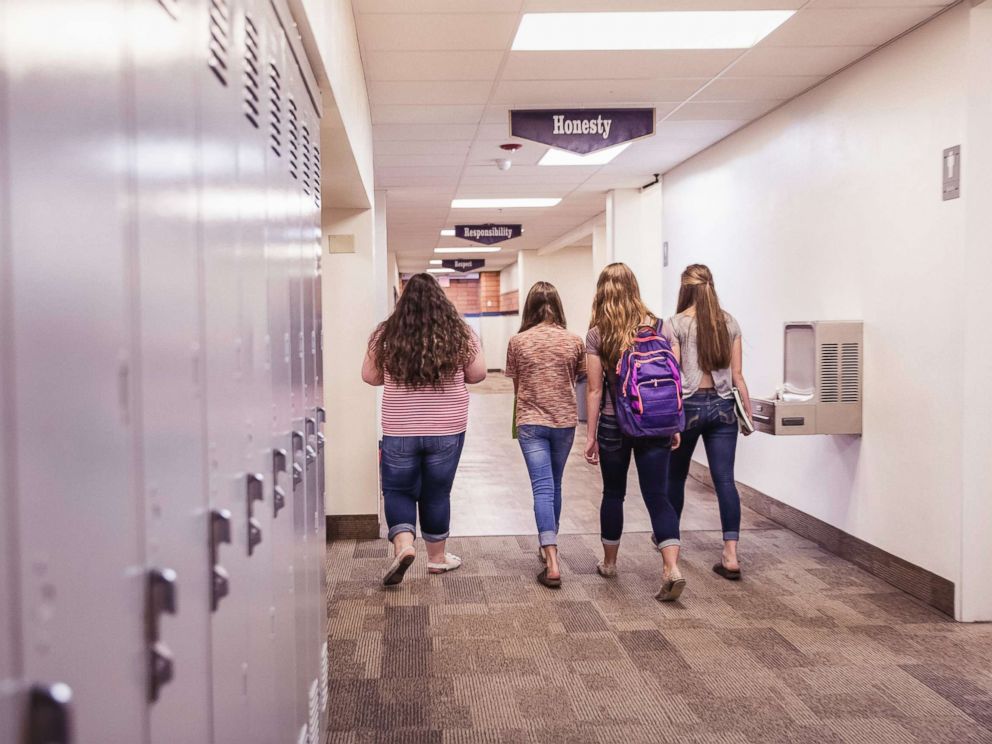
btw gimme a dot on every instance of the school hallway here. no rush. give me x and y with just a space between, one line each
806 648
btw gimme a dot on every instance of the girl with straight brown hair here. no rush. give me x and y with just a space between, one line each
544 360
707 341
617 313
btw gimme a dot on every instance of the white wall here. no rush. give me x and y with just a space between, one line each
830 208
571 271
509 279
634 237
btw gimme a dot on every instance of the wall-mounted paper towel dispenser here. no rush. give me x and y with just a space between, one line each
822 388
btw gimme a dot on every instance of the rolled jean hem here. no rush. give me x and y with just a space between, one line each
398 528
434 538
610 542
547 538
731 536
670 542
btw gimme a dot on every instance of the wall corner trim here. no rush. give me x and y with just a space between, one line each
352 527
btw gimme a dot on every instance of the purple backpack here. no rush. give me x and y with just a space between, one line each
648 387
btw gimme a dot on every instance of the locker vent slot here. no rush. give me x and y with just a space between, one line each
220 39
314 710
294 135
324 676
829 373
316 175
252 73
850 368
171 7
305 147
275 110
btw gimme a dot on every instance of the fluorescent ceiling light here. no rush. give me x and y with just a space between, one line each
501 203
715 29
448 232
470 249
562 157
435 262
440 271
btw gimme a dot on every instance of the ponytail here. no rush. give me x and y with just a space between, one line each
712 336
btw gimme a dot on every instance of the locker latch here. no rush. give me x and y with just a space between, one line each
311 429
220 532
298 441
49 714
321 415
279 459
254 485
161 599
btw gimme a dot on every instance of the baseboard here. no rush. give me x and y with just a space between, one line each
352 526
926 586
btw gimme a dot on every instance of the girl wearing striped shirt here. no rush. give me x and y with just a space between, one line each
423 354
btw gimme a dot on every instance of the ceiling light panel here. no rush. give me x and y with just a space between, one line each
469 249
503 203
600 157
653 30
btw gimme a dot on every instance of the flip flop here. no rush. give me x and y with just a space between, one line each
547 581
729 574
397 569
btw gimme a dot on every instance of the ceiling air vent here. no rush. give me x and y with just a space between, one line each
829 373
275 110
294 134
220 39
850 371
252 73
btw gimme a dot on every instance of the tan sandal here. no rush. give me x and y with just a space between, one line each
451 562
397 569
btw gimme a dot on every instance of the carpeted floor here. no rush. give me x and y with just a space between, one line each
807 648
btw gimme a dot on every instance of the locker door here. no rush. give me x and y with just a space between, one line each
278 276
228 482
171 449
257 378
79 523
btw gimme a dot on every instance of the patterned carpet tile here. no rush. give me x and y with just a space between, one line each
807 648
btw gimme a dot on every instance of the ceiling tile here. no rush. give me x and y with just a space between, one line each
617 65
417 161
451 31
461 92
588 93
437 6
730 110
846 26
877 3
421 147
551 6
755 88
423 131
824 60
414 114
409 65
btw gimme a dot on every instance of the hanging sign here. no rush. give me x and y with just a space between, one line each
489 233
463 264
582 130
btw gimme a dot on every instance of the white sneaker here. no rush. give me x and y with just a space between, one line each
451 562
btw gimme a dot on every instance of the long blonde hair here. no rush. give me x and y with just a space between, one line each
712 335
618 311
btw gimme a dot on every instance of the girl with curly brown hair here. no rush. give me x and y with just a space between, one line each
423 354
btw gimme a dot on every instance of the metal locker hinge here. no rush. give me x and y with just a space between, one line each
49 714
220 532
255 489
279 459
161 599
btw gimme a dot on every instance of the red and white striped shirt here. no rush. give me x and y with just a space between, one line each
426 412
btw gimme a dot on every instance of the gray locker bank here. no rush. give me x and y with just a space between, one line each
162 502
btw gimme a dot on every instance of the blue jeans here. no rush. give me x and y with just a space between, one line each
713 418
545 452
417 473
651 455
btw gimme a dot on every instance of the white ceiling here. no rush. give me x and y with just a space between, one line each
442 78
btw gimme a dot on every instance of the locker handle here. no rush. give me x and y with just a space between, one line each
321 415
162 598
279 460
311 454
298 447
320 443
254 483
254 534
220 532
311 426
49 714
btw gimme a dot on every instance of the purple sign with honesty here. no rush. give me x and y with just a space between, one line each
488 234
463 265
582 131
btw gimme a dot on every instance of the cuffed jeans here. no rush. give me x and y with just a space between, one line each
651 455
545 451
714 419
417 473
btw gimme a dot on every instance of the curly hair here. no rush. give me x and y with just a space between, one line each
618 311
425 340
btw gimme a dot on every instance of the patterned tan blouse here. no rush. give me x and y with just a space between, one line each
545 361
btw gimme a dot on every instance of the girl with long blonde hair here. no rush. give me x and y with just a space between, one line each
707 341
617 313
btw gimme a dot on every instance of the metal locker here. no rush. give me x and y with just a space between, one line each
280 422
78 522
230 485
171 449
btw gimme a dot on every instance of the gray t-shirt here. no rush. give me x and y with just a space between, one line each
681 329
